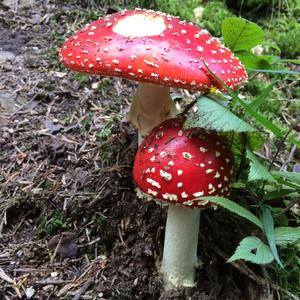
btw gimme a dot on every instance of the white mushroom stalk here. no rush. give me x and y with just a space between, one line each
180 247
151 106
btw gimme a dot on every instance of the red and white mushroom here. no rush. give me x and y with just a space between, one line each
179 167
157 50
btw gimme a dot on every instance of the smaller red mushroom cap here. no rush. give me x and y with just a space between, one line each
152 47
179 166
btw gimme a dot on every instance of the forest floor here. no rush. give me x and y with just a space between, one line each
71 225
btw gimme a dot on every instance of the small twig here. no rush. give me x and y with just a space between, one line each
56 249
290 157
279 148
83 289
288 207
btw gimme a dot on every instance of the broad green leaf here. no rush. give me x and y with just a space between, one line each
212 115
257 170
259 100
268 227
240 34
235 208
291 176
258 117
254 250
238 141
287 235
251 61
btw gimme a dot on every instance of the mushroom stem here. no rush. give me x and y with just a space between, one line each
151 105
180 248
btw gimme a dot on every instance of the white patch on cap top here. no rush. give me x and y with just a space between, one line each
139 25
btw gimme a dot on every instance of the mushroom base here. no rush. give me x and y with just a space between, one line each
180 248
151 106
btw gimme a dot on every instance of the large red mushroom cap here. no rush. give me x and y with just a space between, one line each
153 47
180 166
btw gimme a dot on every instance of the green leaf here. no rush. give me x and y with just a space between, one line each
287 235
257 170
291 176
268 226
238 141
235 208
240 34
254 250
211 115
251 61
258 117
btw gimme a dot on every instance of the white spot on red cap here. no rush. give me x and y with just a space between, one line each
198 194
153 183
184 195
165 175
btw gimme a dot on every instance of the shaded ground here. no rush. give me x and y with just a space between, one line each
66 153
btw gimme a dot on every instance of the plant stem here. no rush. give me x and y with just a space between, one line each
180 247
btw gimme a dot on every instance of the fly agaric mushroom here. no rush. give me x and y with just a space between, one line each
179 167
157 50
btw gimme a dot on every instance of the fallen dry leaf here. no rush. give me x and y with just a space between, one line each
64 244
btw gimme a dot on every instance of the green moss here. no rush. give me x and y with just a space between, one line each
255 9
213 15
271 106
285 33
52 224
183 9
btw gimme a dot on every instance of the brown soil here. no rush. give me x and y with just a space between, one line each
66 153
